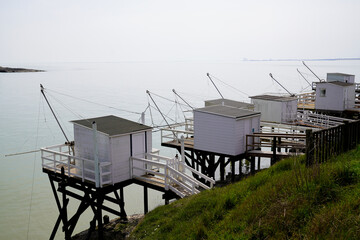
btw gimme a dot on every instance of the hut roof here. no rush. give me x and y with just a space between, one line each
274 98
229 102
338 83
227 111
112 125
341 74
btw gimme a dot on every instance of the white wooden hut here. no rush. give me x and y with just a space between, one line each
279 109
335 96
117 140
223 129
231 103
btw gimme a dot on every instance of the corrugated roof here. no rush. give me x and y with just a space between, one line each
227 111
229 102
274 98
112 125
343 84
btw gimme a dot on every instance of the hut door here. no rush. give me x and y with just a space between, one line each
138 150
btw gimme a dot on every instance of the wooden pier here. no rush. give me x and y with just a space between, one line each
168 175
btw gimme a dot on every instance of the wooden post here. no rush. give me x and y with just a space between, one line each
232 169
146 206
309 148
259 162
222 168
99 202
252 166
279 144
273 159
240 166
346 134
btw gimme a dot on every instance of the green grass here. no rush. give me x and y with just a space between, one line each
286 201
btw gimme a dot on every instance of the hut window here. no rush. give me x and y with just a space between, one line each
323 92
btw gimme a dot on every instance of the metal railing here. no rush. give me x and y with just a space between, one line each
60 156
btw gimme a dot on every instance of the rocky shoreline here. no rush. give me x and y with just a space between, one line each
17 70
115 229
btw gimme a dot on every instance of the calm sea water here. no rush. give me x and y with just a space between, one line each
26 122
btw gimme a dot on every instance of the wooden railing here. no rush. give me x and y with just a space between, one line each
60 156
306 100
174 132
322 145
174 174
319 120
275 141
290 144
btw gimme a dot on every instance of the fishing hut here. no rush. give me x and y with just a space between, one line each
337 94
277 109
115 141
222 129
108 154
218 138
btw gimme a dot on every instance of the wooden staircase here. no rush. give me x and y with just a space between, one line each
169 173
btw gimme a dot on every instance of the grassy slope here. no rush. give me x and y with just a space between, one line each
284 201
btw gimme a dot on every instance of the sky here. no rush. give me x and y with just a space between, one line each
187 30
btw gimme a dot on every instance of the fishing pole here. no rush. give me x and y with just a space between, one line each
215 85
303 77
312 71
182 99
291 95
42 91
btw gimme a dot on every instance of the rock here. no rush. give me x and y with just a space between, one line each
115 229
15 70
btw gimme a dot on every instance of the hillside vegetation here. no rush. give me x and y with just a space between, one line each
286 201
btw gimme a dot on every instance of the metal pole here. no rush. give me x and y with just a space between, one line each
215 85
42 91
143 118
147 91
312 71
96 159
303 77
292 95
182 99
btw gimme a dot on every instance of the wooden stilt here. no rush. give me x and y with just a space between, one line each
146 206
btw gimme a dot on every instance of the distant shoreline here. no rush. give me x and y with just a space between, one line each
17 70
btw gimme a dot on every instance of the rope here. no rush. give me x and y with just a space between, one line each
33 175
58 115
99 104
170 100
230 86
69 109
